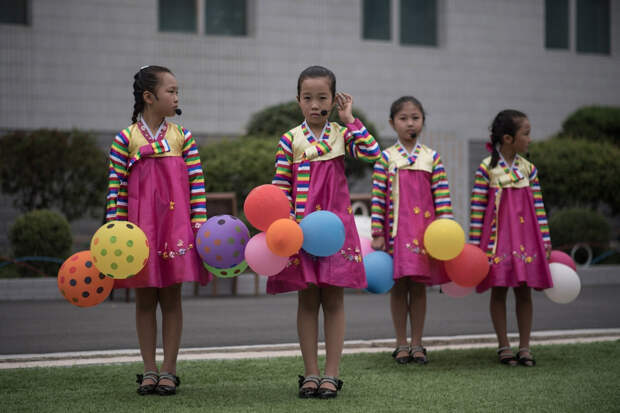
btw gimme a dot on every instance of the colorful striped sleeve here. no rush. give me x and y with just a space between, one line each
197 195
116 198
479 201
379 195
539 207
360 144
283 177
440 189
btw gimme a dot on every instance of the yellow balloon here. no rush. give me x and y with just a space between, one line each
444 239
119 249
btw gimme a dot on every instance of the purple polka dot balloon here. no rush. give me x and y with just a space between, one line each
221 241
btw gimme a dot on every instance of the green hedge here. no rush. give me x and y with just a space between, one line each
600 123
41 233
579 225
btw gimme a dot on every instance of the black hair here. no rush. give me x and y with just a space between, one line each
314 72
397 105
145 80
507 122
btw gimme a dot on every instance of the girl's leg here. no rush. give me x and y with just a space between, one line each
399 305
332 300
525 310
498 316
417 312
308 330
172 326
146 327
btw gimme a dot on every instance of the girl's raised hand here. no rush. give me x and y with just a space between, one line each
344 104
378 243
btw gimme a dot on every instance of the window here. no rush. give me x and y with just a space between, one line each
376 19
14 12
177 16
593 23
225 17
418 22
556 24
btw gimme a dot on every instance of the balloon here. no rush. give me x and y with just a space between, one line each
444 239
284 237
566 284
119 249
226 272
469 268
81 283
323 233
379 268
221 241
452 289
261 259
562 258
366 244
266 204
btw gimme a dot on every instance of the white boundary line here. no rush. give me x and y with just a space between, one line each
65 359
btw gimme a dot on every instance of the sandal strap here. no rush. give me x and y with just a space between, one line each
415 349
524 349
401 348
333 380
502 349
169 376
314 379
151 375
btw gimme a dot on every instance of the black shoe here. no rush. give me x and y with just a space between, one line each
145 389
506 357
308 392
402 360
525 361
165 390
420 360
325 393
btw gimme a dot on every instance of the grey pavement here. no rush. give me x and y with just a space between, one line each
56 326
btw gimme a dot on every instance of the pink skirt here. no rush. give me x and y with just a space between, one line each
328 191
158 191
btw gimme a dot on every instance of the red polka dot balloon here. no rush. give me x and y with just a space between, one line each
221 241
81 283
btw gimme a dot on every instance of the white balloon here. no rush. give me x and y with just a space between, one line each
566 284
363 225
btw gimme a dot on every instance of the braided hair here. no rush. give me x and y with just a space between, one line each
507 122
145 80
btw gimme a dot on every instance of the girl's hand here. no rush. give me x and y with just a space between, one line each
344 104
378 243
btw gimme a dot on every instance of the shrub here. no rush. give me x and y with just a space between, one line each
578 225
41 233
600 123
50 168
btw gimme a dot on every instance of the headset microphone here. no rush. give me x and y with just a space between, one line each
324 112
178 111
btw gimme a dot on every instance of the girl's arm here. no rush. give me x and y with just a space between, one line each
116 199
539 207
283 177
379 196
479 201
197 197
360 144
440 189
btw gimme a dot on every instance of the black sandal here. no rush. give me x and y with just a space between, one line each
145 389
508 359
402 360
308 392
419 360
165 390
525 361
325 393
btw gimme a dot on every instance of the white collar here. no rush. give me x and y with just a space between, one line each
146 126
312 133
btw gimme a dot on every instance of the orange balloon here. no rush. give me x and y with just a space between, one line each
81 283
284 237
469 268
265 204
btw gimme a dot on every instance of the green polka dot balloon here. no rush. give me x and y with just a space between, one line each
119 249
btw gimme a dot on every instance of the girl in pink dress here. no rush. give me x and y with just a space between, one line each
410 190
310 170
508 221
156 182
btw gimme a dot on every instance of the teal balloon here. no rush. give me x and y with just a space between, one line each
323 233
379 268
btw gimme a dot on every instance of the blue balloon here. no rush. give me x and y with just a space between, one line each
323 233
379 268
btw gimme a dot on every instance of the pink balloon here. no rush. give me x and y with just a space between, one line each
366 244
452 289
260 258
562 258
